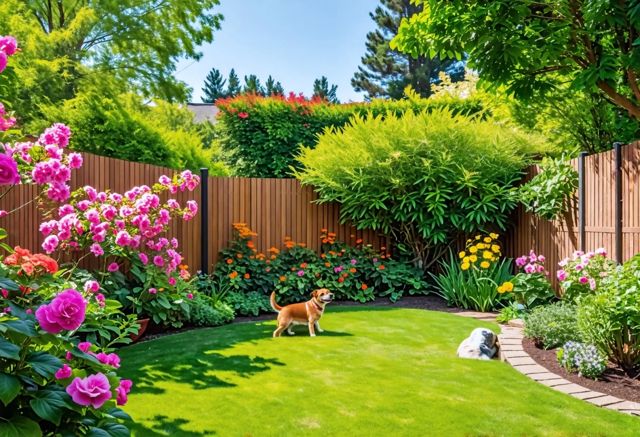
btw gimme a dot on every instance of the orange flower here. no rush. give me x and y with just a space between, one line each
323 230
247 276
233 275
325 241
352 270
289 244
229 261
273 257
323 256
283 278
239 255
250 244
327 264
341 279
364 286
273 249
381 267
303 265
359 241
183 267
302 244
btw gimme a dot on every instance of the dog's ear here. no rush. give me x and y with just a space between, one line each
314 293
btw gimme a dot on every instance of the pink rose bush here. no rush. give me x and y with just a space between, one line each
46 312
583 273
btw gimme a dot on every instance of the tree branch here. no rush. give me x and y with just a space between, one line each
619 99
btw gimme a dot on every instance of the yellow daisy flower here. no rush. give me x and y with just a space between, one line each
462 254
487 255
473 249
473 258
465 266
485 264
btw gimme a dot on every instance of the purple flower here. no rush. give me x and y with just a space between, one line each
520 262
300 272
562 275
8 170
94 390
112 360
123 390
338 269
354 262
529 268
91 286
65 312
64 372
158 260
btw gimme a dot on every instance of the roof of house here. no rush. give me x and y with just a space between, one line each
203 112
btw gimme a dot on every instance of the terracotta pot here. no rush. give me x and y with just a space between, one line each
142 323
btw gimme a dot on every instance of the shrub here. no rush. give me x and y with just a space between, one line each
470 282
425 179
206 312
552 325
610 318
263 135
582 358
531 287
251 303
583 273
548 193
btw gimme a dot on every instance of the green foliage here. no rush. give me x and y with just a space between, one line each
528 45
324 91
250 303
511 312
474 288
532 290
262 136
205 311
213 87
582 358
552 325
610 318
423 178
548 193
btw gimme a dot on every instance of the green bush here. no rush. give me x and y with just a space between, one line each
610 318
207 312
422 178
263 135
552 325
582 358
251 303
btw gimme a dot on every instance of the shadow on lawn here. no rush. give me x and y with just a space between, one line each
164 426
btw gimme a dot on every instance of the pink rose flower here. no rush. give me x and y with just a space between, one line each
65 312
100 299
112 359
172 282
96 249
91 286
529 268
583 279
152 291
143 258
3 65
113 267
94 390
123 390
8 170
64 372
158 261
562 275
8 45
189 295
84 346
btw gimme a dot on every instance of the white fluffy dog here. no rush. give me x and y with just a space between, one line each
482 344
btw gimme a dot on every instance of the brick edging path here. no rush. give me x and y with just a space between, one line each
512 352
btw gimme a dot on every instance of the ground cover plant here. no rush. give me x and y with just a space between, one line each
399 366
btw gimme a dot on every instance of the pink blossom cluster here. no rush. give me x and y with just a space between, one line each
532 263
129 224
584 268
6 121
8 47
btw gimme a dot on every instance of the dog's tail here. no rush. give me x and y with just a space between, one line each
274 305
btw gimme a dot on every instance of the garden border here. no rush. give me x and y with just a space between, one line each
513 353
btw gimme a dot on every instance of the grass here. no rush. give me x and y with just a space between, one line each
374 371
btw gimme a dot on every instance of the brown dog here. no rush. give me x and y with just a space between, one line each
303 313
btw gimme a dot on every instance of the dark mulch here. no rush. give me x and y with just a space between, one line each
613 382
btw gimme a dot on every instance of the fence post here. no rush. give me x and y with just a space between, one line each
204 220
617 147
581 197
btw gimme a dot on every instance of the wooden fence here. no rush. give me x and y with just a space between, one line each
603 223
274 208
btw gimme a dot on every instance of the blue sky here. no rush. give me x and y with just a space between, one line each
296 41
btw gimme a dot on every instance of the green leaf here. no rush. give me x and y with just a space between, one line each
24 327
19 426
110 430
44 364
8 284
9 350
49 405
9 388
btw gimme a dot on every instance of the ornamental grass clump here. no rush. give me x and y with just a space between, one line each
423 178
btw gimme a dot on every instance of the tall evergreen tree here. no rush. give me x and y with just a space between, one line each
322 89
252 85
233 87
272 88
214 85
385 72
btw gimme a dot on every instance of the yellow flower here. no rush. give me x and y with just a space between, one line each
464 266
487 255
485 264
501 289
495 248
508 286
469 241
466 259
473 258
462 254
473 249
494 235
488 239
478 237
480 245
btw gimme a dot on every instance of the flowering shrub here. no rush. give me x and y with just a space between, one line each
582 358
583 273
530 287
352 273
470 280
552 325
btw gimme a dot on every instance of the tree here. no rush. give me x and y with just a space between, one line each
529 45
386 72
213 86
322 90
233 88
272 87
252 85
136 41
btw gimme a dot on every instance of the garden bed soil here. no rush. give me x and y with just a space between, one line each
613 382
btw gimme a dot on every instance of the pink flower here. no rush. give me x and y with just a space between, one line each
91 286
541 258
57 134
192 205
189 295
68 356
113 267
75 160
65 312
3 65
123 238
144 258
583 279
300 272
158 261
112 360
8 170
3 213
562 275
579 267
354 262
601 251
123 390
100 299
96 249
592 283
64 372
8 45
243 115
521 261
172 282
529 268
84 346
152 291
94 390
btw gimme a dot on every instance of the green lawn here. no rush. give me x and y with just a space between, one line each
373 372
